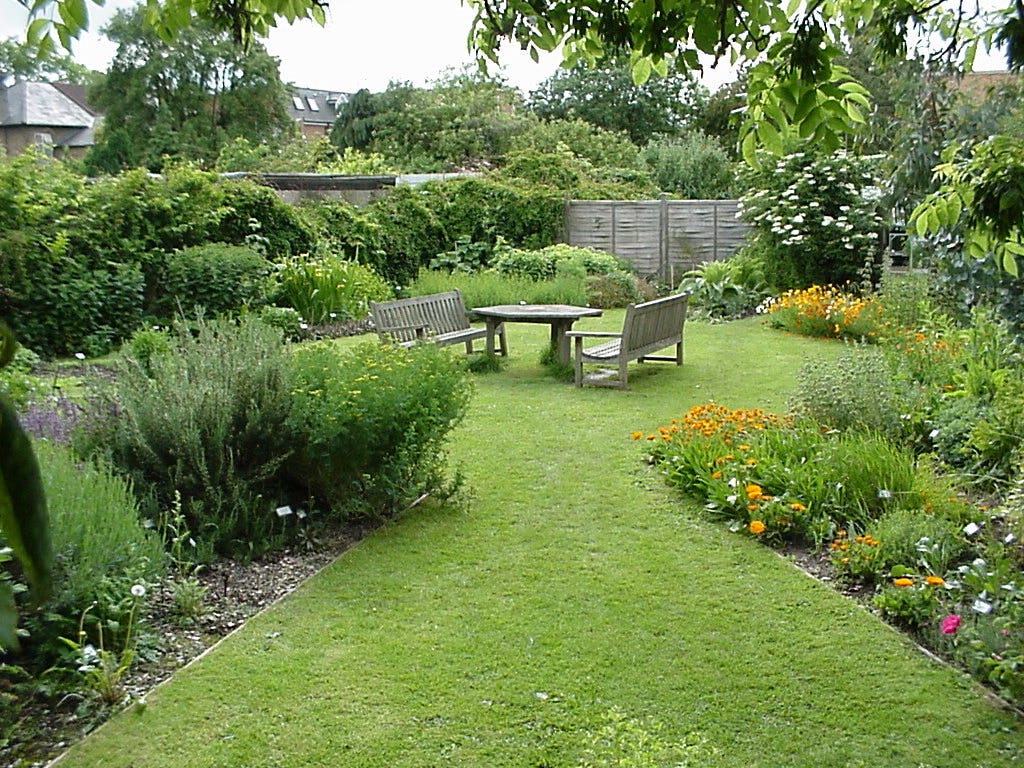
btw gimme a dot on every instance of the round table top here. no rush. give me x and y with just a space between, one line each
537 312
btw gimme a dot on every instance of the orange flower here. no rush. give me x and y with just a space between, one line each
796 506
753 492
752 507
637 435
716 475
903 582
757 527
935 581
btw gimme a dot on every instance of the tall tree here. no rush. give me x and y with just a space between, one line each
464 120
606 95
185 98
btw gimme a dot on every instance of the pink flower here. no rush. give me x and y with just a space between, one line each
951 624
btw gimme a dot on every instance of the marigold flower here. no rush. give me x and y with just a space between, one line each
951 624
637 435
935 581
796 506
752 507
716 475
903 582
757 527
753 491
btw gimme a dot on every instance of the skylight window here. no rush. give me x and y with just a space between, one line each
313 106
297 102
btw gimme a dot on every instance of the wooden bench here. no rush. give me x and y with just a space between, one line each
439 318
648 328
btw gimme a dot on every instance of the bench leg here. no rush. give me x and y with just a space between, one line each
579 361
623 373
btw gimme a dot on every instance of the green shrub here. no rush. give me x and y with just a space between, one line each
208 420
148 344
545 263
65 308
482 209
219 278
692 167
16 382
617 289
725 289
411 233
342 229
373 422
330 289
816 217
854 391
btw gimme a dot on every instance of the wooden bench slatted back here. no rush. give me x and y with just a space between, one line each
646 329
440 318
406 320
655 325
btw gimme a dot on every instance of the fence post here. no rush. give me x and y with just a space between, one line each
664 260
714 228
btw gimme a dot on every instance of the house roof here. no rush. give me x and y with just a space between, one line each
312 105
43 105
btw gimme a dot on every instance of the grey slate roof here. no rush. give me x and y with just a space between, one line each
43 105
312 105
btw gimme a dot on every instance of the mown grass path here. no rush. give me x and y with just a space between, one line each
573 585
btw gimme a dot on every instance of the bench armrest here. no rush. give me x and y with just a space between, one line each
593 334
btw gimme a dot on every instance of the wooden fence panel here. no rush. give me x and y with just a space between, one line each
663 238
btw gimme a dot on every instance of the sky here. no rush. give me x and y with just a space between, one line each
365 44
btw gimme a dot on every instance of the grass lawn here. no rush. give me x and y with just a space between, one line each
574 593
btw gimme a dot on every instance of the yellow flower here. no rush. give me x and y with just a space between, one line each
637 435
796 506
753 492
935 581
757 527
903 582
716 475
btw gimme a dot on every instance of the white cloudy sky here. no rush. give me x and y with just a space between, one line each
366 44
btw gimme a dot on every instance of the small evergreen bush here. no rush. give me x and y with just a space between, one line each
219 278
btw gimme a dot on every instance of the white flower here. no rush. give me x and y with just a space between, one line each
80 355
138 590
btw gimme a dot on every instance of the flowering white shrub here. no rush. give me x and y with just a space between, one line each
816 219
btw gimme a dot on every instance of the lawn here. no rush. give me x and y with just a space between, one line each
574 612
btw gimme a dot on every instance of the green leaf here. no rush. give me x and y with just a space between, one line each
642 70
770 138
1010 263
748 148
705 32
37 29
810 123
23 516
807 102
